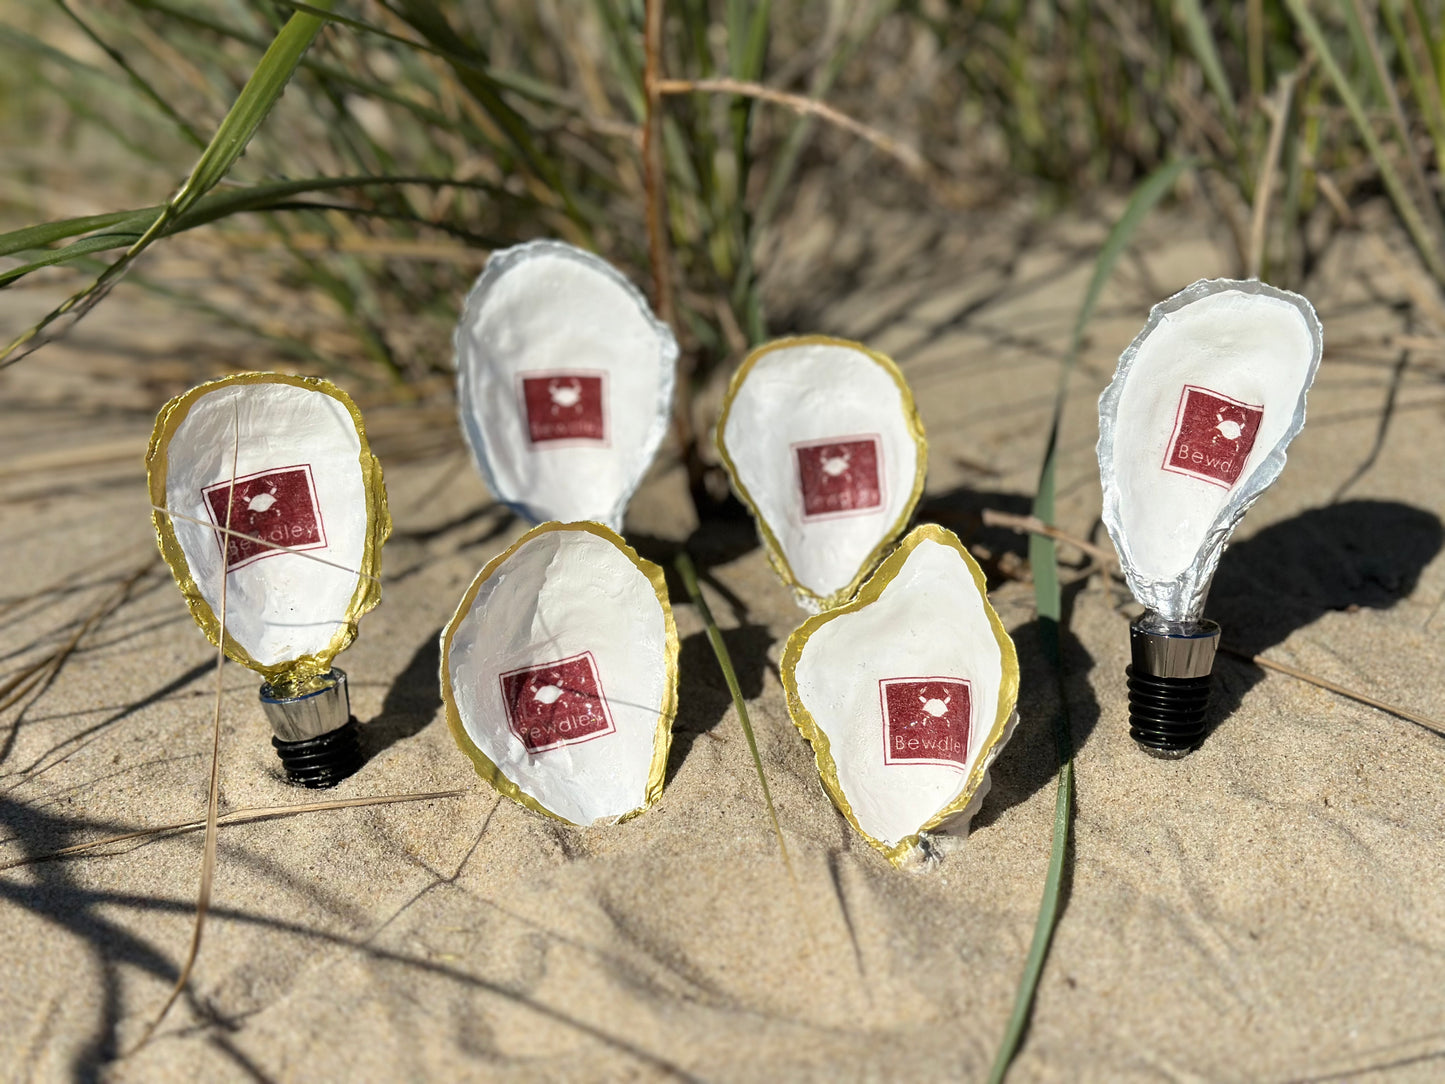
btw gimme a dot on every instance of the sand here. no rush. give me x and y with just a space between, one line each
1271 908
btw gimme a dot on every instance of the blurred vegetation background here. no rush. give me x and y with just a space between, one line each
414 137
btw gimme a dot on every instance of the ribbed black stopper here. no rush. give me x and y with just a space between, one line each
322 761
1166 715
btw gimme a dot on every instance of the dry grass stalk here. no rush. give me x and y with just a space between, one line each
38 676
213 803
902 153
1259 224
237 816
1415 717
992 517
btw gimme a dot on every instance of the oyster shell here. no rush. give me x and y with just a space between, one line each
907 694
559 674
822 441
564 382
1194 427
285 459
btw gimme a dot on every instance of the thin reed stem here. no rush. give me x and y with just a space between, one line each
236 816
1259 222
213 802
804 106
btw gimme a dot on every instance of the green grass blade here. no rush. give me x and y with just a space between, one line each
123 228
1049 602
1043 928
1201 40
1362 27
86 246
521 84
1421 77
1428 246
47 233
724 660
255 101
785 161
747 53
432 24
137 80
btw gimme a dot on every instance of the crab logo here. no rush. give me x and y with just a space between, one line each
1213 436
556 703
1228 428
262 502
565 396
547 694
936 707
926 720
268 510
564 407
840 477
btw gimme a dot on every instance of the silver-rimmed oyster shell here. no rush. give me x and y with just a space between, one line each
1220 365
564 382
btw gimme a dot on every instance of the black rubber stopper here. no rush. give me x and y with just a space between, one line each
322 761
1166 715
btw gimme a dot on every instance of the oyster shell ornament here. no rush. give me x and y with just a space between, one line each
266 483
823 443
1192 430
564 382
907 695
559 674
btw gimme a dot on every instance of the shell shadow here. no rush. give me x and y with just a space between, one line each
1030 761
1356 554
961 510
410 703
703 699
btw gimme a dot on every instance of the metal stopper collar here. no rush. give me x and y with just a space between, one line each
315 735
1169 683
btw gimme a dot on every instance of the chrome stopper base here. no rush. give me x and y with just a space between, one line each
315 736
1169 683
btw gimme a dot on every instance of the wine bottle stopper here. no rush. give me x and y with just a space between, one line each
1192 429
559 675
907 696
271 511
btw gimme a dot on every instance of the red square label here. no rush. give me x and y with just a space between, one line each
1213 436
842 477
556 703
564 406
271 508
926 720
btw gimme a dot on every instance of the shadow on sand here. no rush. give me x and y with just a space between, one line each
1356 554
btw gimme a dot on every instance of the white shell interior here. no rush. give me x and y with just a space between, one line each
801 395
546 311
1244 341
279 606
563 593
929 621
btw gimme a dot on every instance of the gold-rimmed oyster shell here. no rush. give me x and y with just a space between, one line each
906 694
822 441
